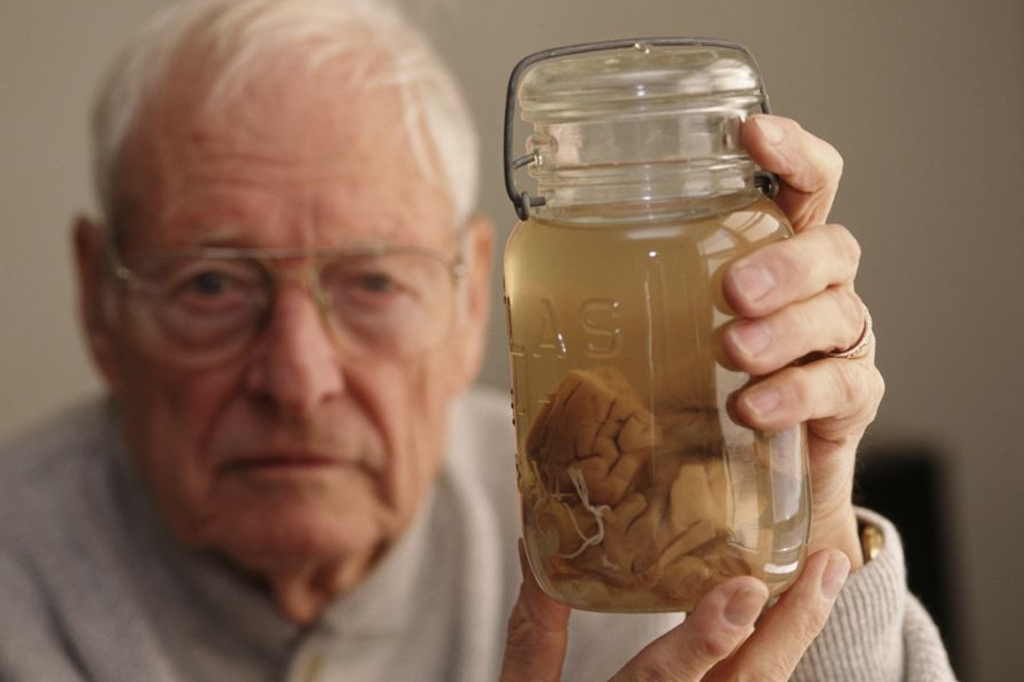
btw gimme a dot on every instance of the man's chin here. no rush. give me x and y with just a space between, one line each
300 536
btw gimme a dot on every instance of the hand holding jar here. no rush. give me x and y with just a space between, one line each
796 310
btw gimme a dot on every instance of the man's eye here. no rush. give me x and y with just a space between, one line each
375 283
211 289
210 283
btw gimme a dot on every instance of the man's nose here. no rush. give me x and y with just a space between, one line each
297 366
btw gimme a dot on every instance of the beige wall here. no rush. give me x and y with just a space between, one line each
925 98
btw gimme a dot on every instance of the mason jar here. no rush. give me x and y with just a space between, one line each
639 490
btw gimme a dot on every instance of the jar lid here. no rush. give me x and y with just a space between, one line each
646 76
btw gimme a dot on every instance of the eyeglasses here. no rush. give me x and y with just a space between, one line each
203 306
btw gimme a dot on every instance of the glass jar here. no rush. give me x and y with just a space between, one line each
639 490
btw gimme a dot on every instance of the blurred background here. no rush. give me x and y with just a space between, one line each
924 99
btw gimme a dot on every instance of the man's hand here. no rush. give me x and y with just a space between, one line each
716 643
795 304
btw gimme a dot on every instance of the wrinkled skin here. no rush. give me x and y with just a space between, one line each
295 461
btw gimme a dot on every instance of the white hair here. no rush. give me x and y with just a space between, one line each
246 36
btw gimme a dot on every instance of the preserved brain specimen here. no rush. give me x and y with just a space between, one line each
595 425
621 501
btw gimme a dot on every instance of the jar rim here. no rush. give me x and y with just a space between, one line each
651 77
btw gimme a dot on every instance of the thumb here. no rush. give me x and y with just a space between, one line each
809 167
537 633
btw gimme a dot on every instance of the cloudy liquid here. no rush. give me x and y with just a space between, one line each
639 492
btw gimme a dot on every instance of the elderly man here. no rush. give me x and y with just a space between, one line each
286 297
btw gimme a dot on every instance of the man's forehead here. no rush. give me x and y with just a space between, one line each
343 122
286 144
272 217
291 87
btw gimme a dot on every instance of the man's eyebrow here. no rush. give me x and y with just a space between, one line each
205 235
224 242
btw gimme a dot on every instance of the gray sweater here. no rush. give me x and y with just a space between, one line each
93 588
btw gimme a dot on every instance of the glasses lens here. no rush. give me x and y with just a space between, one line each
202 308
397 303
199 310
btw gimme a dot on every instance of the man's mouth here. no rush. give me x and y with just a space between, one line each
272 462
295 460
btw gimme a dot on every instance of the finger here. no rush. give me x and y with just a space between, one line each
537 633
723 619
795 269
838 398
809 167
787 630
834 319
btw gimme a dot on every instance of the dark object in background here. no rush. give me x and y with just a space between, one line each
908 485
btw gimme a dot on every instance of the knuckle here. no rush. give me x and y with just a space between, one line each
787 263
701 652
828 162
866 387
800 632
519 638
768 669
791 128
850 308
807 628
688 658
836 162
801 390
656 673
814 620
849 384
876 391
776 671
792 123
879 385
713 649
804 317
845 245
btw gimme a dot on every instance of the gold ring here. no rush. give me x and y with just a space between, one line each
860 346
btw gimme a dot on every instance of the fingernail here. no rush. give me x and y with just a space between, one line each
834 577
753 281
763 401
752 338
744 607
772 131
